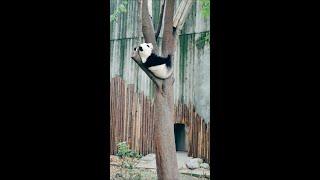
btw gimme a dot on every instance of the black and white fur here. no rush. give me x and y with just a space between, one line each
161 67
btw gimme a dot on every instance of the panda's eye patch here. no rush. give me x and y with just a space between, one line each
135 49
148 45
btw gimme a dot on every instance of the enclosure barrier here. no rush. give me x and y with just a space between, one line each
131 120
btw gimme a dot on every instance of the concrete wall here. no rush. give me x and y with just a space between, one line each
192 63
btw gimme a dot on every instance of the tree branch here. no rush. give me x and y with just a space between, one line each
160 20
147 26
168 43
182 13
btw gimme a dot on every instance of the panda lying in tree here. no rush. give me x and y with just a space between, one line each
159 66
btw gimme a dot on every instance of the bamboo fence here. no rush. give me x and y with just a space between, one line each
131 120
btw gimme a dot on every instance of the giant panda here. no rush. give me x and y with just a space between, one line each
161 67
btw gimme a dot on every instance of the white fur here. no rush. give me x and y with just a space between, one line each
160 71
146 51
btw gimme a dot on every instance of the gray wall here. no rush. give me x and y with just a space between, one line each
192 62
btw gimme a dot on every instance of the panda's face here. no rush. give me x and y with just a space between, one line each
145 50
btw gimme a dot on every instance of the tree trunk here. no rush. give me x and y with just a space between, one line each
166 158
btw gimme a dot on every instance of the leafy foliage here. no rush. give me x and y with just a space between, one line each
121 9
124 151
203 39
128 161
205 8
205 12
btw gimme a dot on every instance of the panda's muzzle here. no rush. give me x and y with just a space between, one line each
140 48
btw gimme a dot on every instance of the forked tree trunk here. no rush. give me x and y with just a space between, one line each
166 159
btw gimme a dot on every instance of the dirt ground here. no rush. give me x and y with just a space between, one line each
146 170
118 173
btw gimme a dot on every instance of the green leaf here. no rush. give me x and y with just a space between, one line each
122 8
205 8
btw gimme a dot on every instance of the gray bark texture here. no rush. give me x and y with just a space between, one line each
166 160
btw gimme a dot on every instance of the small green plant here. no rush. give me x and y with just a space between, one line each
128 170
205 8
120 9
127 156
125 151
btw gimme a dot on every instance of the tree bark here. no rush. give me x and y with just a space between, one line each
168 44
182 13
160 20
147 26
166 159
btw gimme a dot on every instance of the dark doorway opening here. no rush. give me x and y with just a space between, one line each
180 137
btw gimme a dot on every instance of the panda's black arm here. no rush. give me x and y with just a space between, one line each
155 60
135 56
